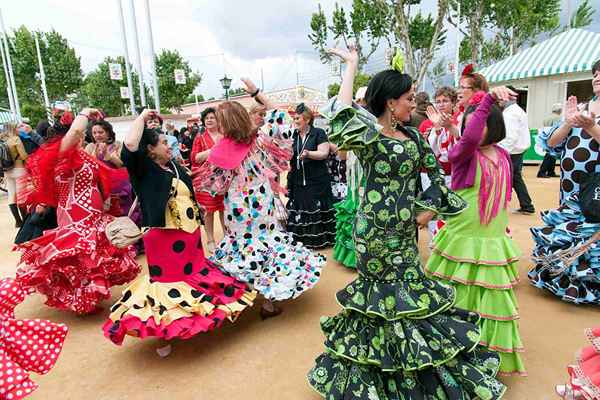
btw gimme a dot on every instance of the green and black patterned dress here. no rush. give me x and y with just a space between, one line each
398 336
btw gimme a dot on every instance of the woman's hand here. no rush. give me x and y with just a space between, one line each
304 154
434 116
584 121
349 56
424 218
249 86
503 93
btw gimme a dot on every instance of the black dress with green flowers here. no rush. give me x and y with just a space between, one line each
398 336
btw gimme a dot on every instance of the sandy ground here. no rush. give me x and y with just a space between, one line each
252 359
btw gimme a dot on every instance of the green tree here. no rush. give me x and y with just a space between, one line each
61 63
236 92
374 21
100 91
584 16
172 95
192 99
359 81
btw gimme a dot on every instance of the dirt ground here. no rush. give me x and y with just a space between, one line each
253 360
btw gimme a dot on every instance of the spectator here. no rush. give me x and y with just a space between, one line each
517 142
420 113
548 164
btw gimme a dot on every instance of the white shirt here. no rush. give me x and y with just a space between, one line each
518 138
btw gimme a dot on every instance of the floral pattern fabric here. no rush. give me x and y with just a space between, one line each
398 335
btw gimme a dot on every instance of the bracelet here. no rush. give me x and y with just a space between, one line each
84 115
255 93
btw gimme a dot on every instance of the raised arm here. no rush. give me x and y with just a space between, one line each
77 130
560 134
350 57
132 140
259 96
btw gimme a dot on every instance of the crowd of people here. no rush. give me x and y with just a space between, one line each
391 166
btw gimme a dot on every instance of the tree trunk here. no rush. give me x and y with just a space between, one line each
401 28
427 56
475 25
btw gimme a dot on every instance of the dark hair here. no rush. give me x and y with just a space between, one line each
448 92
596 67
42 128
496 130
422 98
157 118
386 85
107 127
205 113
149 137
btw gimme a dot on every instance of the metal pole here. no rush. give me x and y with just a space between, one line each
126 51
10 70
153 61
42 77
9 90
197 105
262 79
457 55
136 43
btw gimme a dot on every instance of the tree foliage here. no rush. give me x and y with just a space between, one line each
61 64
100 91
172 95
369 23
359 81
584 16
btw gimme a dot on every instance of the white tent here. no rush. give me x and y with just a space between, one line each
550 71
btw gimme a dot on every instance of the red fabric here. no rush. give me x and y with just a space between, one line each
25 345
585 375
204 142
74 265
425 126
38 185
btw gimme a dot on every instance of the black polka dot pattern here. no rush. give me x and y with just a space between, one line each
179 246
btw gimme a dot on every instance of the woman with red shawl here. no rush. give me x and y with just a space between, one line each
74 265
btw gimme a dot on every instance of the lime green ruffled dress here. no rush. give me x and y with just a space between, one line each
343 251
481 262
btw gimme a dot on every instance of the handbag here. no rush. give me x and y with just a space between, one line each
122 232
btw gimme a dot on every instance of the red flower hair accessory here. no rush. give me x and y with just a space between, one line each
468 70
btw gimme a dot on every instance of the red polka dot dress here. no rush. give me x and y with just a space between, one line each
75 265
28 345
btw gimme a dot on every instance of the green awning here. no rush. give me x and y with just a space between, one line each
575 50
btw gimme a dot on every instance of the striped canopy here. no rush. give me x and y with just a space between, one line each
575 50
7 116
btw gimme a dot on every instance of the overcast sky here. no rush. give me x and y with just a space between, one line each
237 37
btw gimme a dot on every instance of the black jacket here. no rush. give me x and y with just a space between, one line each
152 185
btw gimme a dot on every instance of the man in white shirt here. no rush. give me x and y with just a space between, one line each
517 142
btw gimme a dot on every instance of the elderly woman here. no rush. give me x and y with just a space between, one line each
311 215
575 141
200 150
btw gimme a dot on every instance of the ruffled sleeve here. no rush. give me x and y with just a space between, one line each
351 127
543 138
212 179
438 197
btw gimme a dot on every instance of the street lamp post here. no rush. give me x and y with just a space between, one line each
226 83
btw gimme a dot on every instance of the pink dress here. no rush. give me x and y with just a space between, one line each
585 374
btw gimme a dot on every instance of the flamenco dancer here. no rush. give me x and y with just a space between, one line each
181 293
584 375
74 265
26 345
399 336
244 167
568 263
473 251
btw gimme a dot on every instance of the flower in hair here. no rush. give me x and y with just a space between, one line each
300 108
398 61
476 98
468 70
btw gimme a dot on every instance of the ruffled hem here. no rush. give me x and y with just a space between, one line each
173 310
475 250
468 376
344 255
499 305
501 336
567 287
70 283
396 299
403 344
275 265
511 364
487 276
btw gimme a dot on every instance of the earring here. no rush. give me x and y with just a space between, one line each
152 156
394 120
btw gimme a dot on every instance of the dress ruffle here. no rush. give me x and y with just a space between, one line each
175 310
273 264
566 229
585 374
75 269
25 345
344 251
